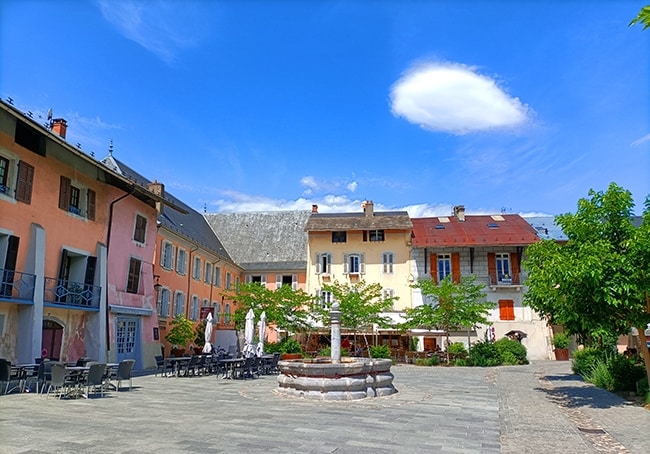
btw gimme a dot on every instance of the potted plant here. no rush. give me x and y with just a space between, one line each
180 334
290 349
199 339
561 344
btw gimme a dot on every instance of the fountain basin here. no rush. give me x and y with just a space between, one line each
320 379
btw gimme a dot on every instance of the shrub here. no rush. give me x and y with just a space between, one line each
625 372
460 362
511 351
433 361
561 340
585 360
327 351
288 345
484 354
601 376
457 350
380 351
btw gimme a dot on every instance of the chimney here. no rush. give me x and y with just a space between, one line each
159 190
459 212
314 208
59 126
368 208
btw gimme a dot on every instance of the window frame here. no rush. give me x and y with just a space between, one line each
197 267
181 261
179 303
164 298
140 229
194 308
207 273
133 276
339 236
388 263
444 267
167 256
376 235
502 261
217 276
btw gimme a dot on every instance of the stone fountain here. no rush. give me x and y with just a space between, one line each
333 378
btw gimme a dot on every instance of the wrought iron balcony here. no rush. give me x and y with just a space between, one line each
69 293
16 286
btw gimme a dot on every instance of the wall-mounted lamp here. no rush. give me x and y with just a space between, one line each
157 285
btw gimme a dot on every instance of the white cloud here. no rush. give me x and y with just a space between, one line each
454 98
641 140
313 185
162 27
352 186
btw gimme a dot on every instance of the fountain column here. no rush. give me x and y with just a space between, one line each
335 316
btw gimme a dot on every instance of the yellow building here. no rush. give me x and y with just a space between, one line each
373 247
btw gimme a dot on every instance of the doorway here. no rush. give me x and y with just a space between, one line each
52 339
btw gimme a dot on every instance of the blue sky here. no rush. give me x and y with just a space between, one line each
249 106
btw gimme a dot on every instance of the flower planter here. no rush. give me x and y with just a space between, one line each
286 356
561 354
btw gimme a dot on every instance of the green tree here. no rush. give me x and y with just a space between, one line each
285 307
642 18
361 305
598 283
455 305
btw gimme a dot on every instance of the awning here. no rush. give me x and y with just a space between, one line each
127 310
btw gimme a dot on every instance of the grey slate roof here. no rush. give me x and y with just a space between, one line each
192 225
387 220
546 228
264 241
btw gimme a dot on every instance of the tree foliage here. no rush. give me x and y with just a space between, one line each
285 307
598 283
455 305
642 18
361 305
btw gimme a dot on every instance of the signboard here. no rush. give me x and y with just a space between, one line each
205 310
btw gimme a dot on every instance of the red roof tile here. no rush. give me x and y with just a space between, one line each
476 230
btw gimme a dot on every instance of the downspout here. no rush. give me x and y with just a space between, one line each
108 244
189 276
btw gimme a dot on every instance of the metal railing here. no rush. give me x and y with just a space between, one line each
17 286
69 293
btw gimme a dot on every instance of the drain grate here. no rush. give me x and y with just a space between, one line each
591 431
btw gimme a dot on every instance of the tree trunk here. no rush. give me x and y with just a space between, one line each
644 350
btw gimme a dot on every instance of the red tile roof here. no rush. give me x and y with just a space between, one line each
476 230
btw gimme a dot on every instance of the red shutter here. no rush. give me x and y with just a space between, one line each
455 267
64 193
91 204
25 182
514 260
506 309
492 267
433 267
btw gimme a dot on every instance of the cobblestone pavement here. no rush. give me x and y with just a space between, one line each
539 408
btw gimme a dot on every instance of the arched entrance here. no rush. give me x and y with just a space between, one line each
52 338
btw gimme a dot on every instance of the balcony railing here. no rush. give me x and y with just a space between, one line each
506 279
17 286
69 293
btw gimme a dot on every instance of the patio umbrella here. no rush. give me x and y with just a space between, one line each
262 328
249 332
207 348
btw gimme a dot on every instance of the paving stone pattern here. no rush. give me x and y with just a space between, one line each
540 408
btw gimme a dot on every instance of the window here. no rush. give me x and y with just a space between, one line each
286 279
228 281
388 260
140 228
339 237
444 266
4 175
167 256
373 235
226 315
196 269
181 262
388 294
76 199
28 137
217 276
163 302
259 278
194 308
236 282
207 274
506 310
354 264
179 304
326 299
133 280
503 266
25 182
323 263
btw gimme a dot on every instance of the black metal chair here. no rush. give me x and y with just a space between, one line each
94 380
161 366
124 373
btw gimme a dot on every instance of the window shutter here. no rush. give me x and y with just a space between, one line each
294 281
12 253
278 281
346 264
492 267
329 264
91 205
249 279
455 267
91 265
64 193
506 309
362 264
433 265
514 264
25 182
318 264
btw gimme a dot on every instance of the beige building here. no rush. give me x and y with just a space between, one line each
369 246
